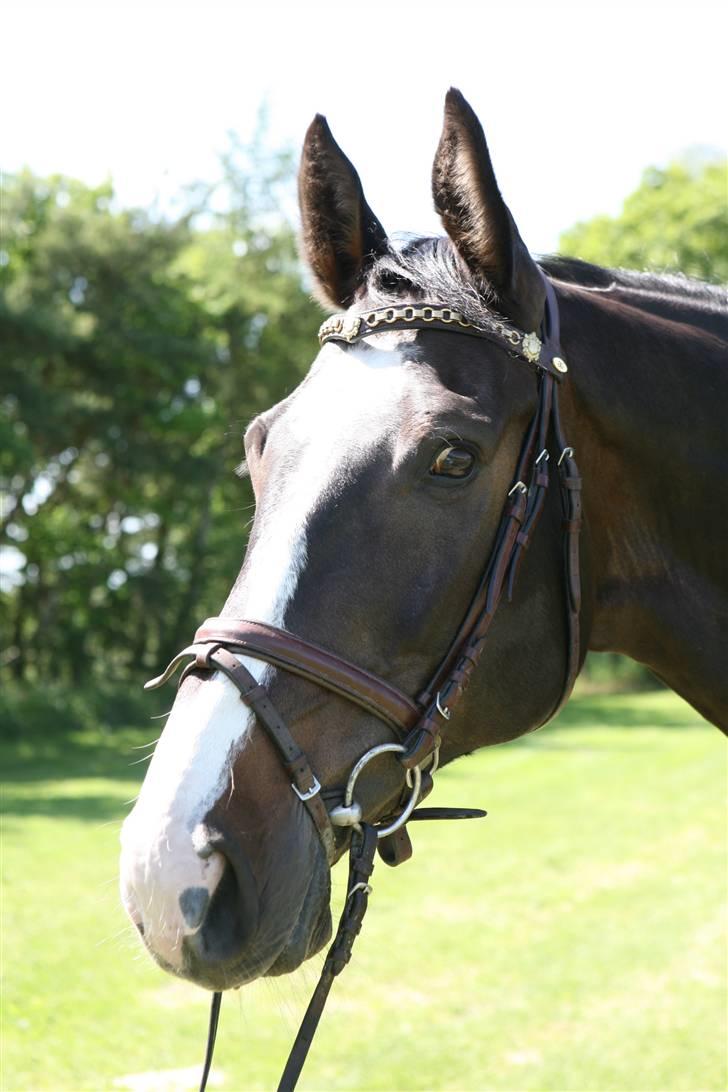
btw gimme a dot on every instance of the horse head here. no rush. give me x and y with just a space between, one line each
380 486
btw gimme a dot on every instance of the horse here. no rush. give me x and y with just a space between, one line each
400 489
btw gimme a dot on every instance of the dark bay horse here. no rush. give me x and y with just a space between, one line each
380 484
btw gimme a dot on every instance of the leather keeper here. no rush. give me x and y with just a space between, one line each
396 848
423 745
255 694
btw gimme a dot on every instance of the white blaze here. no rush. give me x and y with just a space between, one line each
350 399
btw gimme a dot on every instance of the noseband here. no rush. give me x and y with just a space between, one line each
419 724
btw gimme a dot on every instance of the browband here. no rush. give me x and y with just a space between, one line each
436 316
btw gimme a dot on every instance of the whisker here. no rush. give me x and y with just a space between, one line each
108 883
138 761
113 936
152 743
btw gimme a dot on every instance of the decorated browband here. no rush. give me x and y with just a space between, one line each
350 328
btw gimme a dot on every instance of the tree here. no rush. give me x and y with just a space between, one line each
676 220
134 352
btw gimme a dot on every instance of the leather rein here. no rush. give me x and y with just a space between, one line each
419 724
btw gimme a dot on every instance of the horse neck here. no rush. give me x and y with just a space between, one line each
646 413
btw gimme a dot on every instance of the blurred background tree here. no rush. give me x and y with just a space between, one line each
135 349
676 220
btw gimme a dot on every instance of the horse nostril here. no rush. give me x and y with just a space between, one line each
193 903
229 919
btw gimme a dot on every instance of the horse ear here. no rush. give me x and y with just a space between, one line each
340 233
477 219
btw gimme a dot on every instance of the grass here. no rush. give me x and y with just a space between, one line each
572 940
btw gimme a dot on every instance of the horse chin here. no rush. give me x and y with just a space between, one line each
306 939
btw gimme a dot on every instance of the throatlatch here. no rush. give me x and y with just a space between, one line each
419 725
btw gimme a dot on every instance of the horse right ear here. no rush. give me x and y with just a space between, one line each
477 219
339 232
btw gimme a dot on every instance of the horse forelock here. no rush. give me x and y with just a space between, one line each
427 268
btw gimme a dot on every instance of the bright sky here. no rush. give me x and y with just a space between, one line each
576 98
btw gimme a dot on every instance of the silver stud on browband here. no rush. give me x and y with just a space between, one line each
531 347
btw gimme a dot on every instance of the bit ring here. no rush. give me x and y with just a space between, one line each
380 749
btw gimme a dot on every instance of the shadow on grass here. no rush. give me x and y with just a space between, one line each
45 763
121 755
631 711
635 710
92 808
118 756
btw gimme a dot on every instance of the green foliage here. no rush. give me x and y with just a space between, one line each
135 351
676 220
58 709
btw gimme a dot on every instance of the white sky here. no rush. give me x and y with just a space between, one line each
576 98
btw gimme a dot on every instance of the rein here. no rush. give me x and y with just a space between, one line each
420 724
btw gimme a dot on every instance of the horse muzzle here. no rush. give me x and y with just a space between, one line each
205 914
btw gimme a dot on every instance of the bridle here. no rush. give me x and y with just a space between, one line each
419 724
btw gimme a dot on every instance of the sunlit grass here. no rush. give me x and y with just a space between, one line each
572 940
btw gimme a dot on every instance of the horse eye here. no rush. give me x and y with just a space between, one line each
453 462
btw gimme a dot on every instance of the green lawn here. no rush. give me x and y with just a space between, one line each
572 940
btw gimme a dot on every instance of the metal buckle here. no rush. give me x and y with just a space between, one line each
519 487
544 455
365 887
316 787
566 453
442 709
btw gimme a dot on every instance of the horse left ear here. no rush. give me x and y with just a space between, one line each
477 219
339 232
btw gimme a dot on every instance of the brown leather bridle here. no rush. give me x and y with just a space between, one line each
420 724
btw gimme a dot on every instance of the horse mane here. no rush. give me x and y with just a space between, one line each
630 282
429 268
